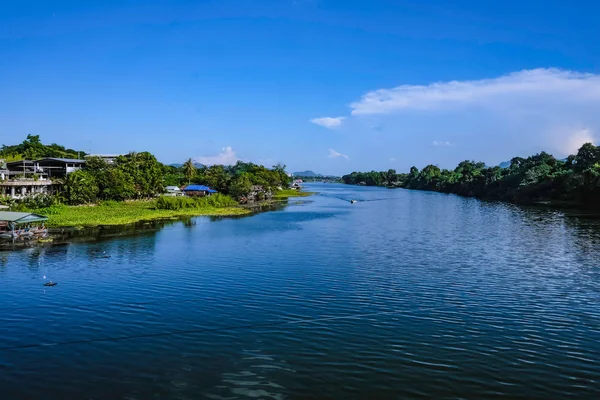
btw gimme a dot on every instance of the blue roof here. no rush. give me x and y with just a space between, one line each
212 191
198 188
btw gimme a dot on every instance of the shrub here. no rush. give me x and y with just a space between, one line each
52 210
40 200
178 203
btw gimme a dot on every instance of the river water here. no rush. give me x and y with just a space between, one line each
405 294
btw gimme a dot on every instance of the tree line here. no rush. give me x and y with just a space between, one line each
141 175
32 149
538 178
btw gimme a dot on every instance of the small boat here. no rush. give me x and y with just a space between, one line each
39 231
352 201
50 283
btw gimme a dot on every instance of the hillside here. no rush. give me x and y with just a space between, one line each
32 149
308 173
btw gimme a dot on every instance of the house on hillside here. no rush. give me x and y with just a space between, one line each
198 191
28 178
173 191
49 167
108 158
3 170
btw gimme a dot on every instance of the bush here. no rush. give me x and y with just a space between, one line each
52 210
109 203
178 203
40 200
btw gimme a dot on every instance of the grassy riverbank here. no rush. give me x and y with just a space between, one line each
123 213
287 193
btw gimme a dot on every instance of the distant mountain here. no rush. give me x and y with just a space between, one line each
309 174
179 165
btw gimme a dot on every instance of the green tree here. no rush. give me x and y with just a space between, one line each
217 178
118 185
586 157
144 171
189 170
80 188
240 186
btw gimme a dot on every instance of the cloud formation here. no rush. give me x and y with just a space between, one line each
335 154
226 157
532 85
573 140
328 122
520 113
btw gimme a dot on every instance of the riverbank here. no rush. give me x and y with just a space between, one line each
130 212
287 193
124 213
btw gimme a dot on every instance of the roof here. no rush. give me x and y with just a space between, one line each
212 191
31 163
197 188
2 207
173 188
66 160
21 217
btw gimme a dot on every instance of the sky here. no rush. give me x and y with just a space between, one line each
328 85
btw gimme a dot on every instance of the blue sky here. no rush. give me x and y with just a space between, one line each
332 86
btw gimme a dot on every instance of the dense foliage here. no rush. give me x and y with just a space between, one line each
141 176
179 203
134 176
539 178
235 180
32 149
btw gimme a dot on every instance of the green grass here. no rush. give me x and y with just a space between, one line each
123 213
287 193
178 203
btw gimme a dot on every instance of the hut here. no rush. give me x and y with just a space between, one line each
198 191
11 222
173 191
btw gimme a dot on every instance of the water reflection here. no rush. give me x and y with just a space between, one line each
441 297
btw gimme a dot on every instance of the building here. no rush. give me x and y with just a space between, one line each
11 222
173 191
198 191
45 167
3 170
28 178
109 158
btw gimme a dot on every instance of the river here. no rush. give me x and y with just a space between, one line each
405 294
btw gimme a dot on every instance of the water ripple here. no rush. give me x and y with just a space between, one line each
403 295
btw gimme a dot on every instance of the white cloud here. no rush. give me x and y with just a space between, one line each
226 157
328 122
335 154
438 143
572 140
528 86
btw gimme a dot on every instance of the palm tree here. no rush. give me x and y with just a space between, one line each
189 170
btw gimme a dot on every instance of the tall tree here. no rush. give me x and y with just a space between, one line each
189 170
